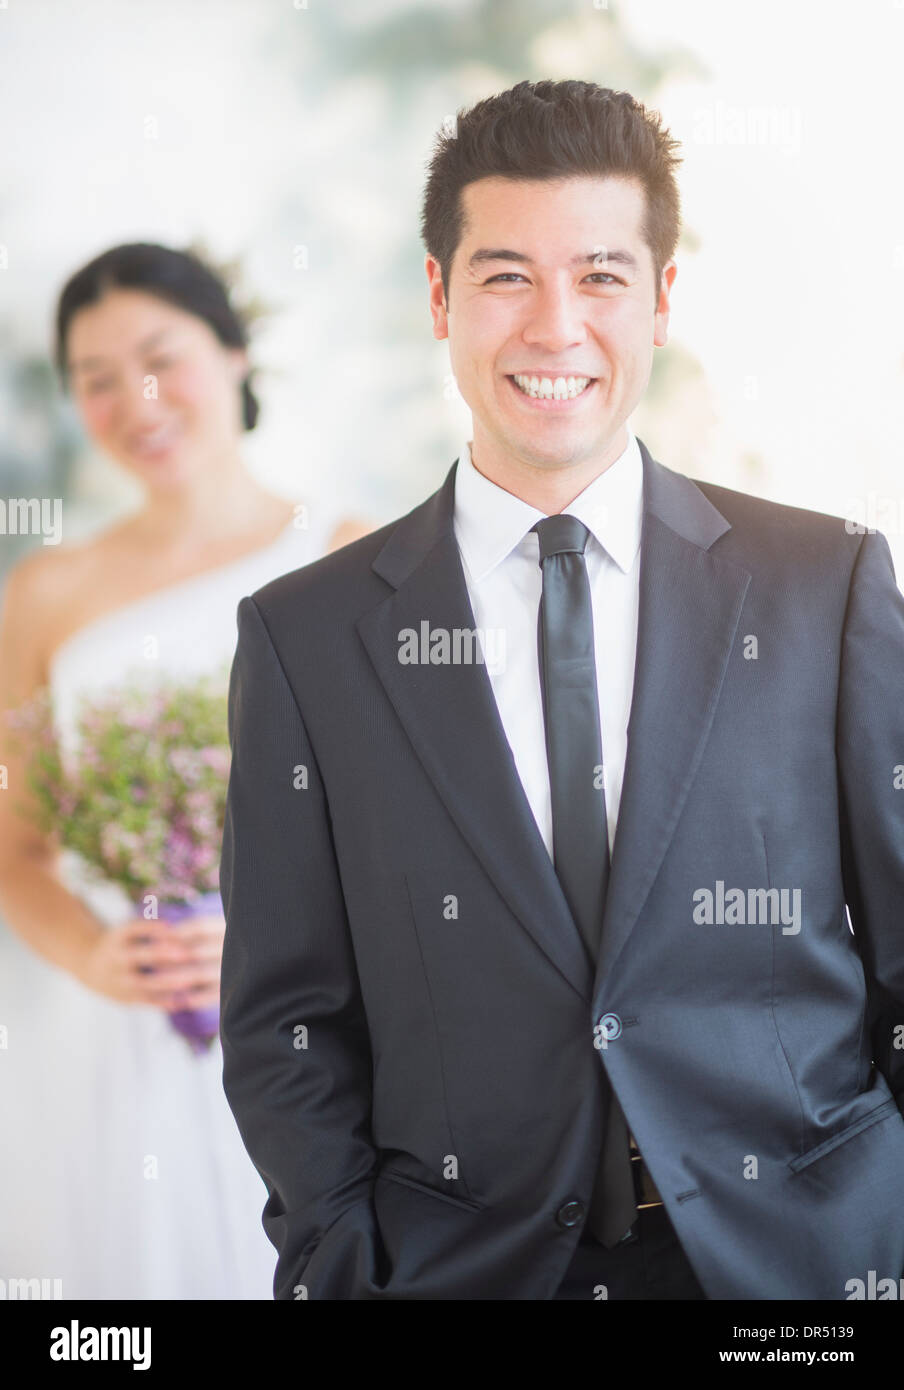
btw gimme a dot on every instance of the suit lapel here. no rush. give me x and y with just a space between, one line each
690 603
452 720
689 606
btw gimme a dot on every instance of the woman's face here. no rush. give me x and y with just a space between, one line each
154 385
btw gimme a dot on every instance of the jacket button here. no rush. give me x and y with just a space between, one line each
570 1214
611 1025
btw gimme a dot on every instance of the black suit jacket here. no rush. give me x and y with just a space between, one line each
412 1033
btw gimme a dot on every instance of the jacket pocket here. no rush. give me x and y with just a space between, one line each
394 1176
872 1117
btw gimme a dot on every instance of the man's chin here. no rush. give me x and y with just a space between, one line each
554 453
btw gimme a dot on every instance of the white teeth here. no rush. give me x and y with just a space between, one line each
547 388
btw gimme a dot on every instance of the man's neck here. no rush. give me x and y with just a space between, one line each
550 490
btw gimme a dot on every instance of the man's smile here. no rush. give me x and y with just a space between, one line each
551 392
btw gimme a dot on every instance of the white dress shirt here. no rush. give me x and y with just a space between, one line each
501 560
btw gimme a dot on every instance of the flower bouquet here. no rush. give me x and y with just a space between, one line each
141 799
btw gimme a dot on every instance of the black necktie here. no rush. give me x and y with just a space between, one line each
579 829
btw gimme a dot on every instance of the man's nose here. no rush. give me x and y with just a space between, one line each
556 319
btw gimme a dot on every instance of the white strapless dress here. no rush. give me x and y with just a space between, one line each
122 1171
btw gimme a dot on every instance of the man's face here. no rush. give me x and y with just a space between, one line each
551 280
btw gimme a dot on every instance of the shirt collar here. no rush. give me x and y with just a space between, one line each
490 522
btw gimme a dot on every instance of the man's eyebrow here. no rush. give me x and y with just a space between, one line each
502 253
85 364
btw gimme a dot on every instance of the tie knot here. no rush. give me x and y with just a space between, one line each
560 533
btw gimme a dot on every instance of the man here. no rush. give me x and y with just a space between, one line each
480 1046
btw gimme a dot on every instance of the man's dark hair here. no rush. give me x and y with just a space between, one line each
553 130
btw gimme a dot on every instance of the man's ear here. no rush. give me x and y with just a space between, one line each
661 317
437 297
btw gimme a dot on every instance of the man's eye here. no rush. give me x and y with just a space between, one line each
597 275
99 384
162 362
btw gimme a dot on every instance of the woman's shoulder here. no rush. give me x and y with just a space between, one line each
46 569
31 592
37 580
38 595
349 528
330 524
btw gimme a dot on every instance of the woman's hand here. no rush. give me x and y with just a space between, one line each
184 958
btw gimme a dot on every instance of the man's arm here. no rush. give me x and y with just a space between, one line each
297 1067
870 747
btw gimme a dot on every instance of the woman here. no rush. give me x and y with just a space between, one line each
123 1174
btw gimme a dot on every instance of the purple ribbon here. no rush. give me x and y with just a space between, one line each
199 1027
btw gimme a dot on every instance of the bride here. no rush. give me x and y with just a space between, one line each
122 1172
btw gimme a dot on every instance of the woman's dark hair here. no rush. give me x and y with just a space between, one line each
179 277
553 130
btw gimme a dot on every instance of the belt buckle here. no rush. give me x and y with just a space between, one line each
645 1191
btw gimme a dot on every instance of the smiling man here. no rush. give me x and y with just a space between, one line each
480 1046
551 347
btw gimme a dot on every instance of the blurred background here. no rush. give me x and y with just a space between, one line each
289 140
